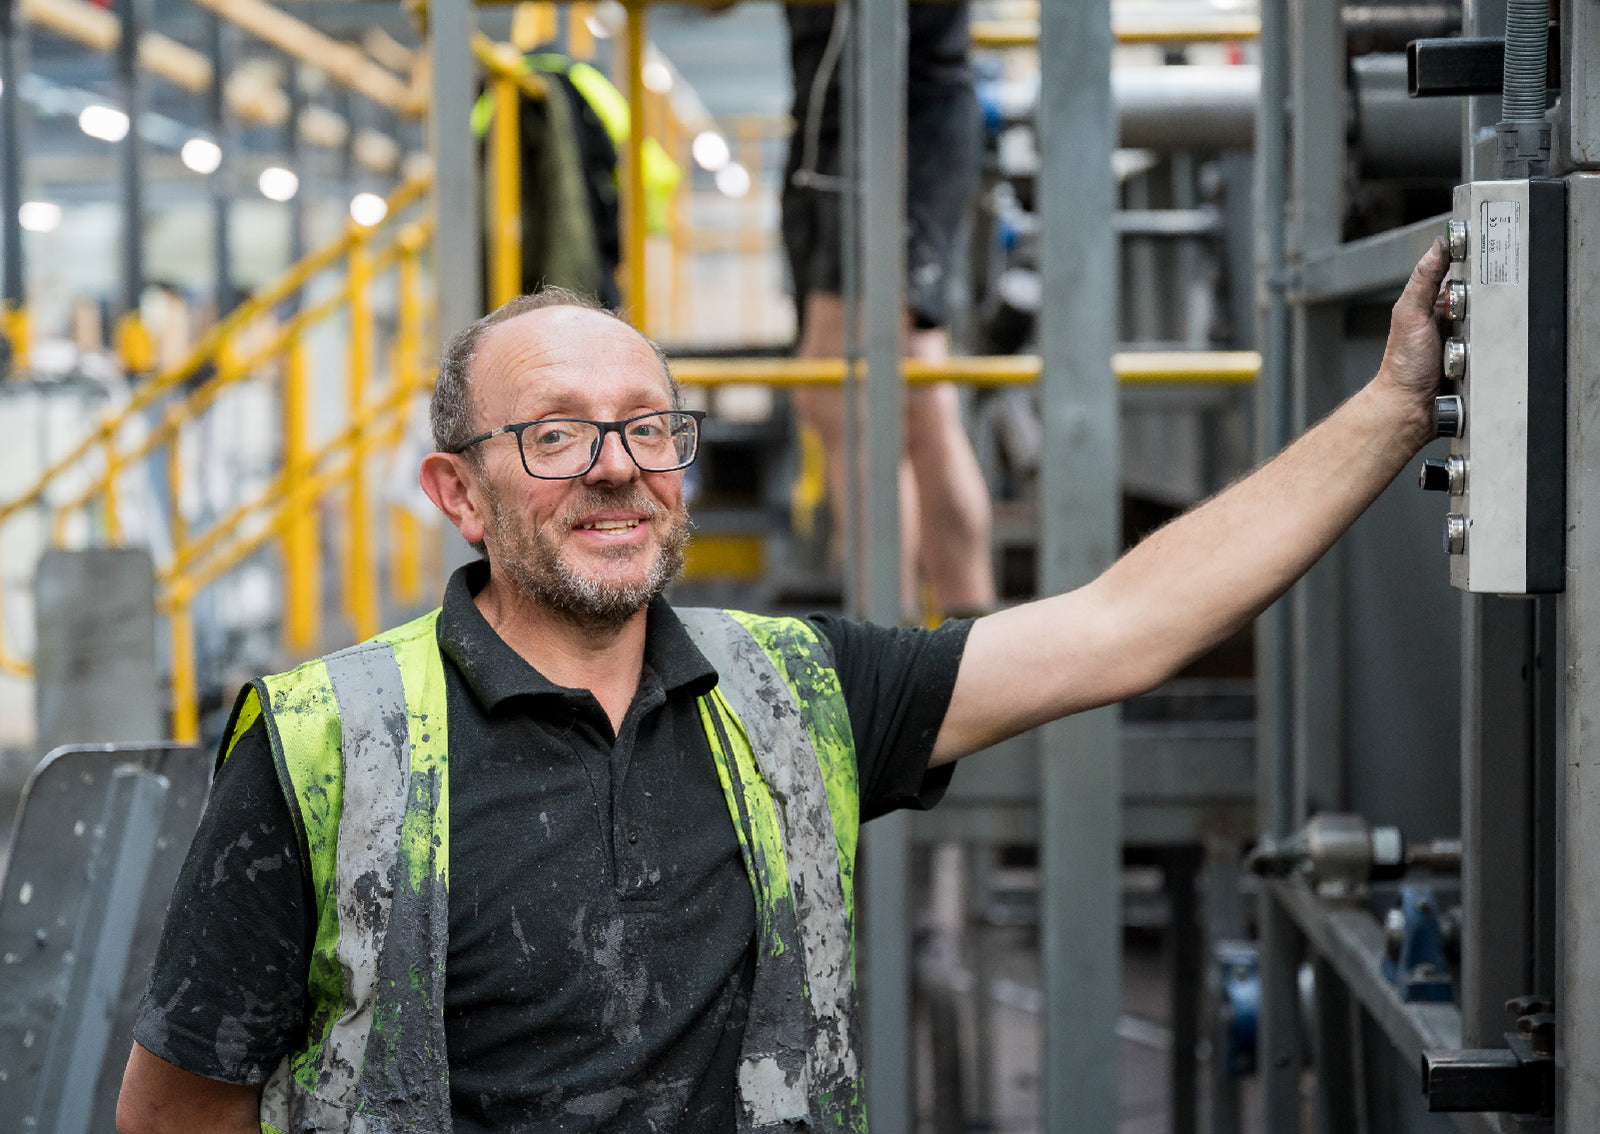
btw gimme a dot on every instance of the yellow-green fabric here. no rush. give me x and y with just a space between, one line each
375 1051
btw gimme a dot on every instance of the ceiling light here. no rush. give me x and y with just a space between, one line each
367 209
39 216
278 184
733 180
710 150
597 28
657 76
103 122
201 155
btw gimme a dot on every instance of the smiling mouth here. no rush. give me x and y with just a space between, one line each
609 526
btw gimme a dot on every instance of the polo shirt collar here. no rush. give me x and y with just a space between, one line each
495 672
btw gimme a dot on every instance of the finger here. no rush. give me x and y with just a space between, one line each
1423 286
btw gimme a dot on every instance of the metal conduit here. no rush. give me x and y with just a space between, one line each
1527 42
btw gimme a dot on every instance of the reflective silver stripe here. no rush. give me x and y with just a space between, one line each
377 772
752 686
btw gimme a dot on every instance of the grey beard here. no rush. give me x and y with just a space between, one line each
532 564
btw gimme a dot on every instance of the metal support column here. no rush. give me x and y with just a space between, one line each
222 183
132 85
457 239
1279 1044
880 86
1578 878
1316 163
11 285
1080 773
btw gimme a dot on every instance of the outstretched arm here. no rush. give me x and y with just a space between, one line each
158 1098
1207 573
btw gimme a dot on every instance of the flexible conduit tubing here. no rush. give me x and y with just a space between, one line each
1527 42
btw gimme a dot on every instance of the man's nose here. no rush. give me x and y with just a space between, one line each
612 465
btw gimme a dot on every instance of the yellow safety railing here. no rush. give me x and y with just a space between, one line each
252 344
1223 367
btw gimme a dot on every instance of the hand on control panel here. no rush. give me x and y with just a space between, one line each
1411 358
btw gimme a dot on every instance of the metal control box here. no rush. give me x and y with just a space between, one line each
1506 355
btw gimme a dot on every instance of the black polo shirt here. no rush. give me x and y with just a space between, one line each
602 925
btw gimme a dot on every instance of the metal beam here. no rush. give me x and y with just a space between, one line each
128 11
1351 941
1376 263
11 283
1578 878
881 131
457 240
1080 774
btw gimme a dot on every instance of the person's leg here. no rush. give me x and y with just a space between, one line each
955 512
823 409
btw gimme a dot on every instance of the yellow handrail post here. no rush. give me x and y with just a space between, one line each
506 192
14 328
580 40
636 223
173 422
185 682
682 150
404 561
301 559
110 500
360 589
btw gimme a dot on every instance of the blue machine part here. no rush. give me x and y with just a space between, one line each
1415 961
1239 968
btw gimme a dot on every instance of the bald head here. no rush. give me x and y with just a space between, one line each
452 414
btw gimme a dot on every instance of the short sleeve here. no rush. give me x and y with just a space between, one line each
897 683
227 993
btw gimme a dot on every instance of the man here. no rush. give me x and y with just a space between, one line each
538 863
945 509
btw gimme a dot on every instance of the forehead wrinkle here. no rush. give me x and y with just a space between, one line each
564 352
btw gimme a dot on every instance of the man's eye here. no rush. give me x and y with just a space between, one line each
552 435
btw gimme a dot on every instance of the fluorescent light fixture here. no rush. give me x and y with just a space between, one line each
733 180
39 216
103 122
278 184
657 76
367 209
201 155
710 150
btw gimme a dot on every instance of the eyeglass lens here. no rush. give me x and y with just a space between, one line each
658 442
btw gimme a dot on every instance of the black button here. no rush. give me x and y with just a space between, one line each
633 834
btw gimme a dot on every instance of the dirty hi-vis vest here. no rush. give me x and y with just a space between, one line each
360 742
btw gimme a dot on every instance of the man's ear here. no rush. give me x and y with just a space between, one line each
448 481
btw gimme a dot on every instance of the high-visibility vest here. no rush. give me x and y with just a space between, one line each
661 173
360 740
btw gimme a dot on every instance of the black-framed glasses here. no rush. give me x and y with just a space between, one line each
562 448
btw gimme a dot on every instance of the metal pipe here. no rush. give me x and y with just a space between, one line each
1274 695
11 285
1523 135
1080 774
133 146
221 180
1397 135
458 235
1522 95
881 44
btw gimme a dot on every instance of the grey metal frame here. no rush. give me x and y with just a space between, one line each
1079 771
1530 921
